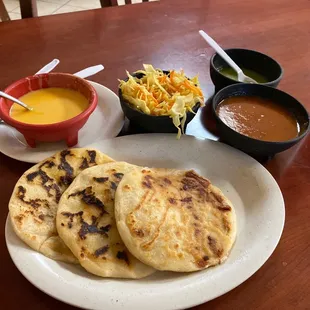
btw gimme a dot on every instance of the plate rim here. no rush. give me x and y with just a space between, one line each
201 300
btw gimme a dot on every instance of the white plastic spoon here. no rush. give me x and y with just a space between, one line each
241 76
89 71
49 67
82 74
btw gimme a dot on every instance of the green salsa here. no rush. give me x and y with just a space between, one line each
232 74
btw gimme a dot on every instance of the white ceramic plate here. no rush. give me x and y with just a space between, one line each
104 123
260 218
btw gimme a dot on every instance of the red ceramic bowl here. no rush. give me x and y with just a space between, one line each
66 130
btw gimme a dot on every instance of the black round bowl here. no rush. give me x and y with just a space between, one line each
152 123
248 59
252 146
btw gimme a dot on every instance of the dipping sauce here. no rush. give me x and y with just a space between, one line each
50 105
258 118
232 74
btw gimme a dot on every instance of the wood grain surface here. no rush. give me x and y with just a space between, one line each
165 33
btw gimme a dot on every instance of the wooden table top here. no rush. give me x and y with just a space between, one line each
165 34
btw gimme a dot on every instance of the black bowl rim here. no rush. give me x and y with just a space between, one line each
121 98
236 86
277 80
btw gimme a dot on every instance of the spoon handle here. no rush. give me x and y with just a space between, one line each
220 51
89 71
2 94
49 67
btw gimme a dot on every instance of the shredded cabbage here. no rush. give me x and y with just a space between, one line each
157 93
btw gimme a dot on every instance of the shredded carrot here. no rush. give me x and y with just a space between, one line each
172 76
193 88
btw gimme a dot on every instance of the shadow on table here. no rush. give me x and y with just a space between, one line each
207 118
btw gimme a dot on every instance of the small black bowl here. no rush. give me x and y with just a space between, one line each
249 59
252 146
152 123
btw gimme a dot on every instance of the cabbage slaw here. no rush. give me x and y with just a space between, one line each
158 94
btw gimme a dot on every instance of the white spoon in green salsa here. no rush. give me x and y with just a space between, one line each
241 76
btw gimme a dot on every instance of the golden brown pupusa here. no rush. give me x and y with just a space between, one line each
86 223
34 201
174 220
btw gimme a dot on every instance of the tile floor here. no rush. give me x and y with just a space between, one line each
48 7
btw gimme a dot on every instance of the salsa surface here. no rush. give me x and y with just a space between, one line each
258 118
232 74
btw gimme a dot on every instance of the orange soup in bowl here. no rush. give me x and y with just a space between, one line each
50 105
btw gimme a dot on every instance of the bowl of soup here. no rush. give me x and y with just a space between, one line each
61 102
260 67
258 119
